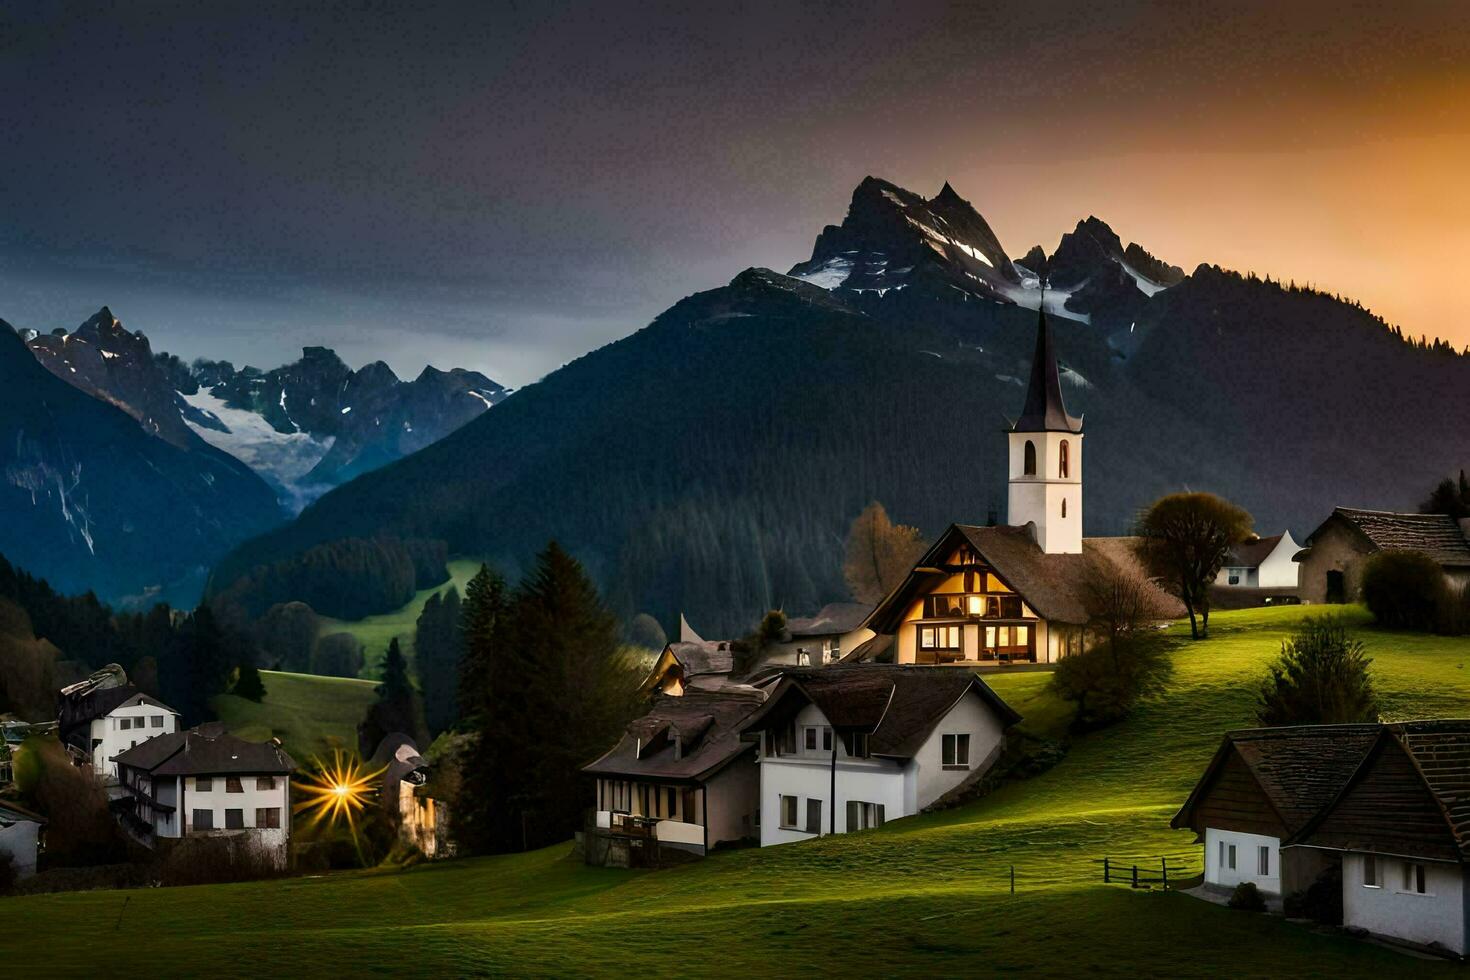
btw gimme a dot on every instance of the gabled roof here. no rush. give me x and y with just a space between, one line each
1300 768
1250 554
708 722
15 813
696 658
1057 587
206 751
85 702
1437 535
897 705
1423 808
833 618
1045 411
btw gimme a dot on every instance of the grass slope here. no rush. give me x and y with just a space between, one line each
375 632
924 895
311 715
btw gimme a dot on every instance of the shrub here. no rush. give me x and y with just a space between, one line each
1321 678
213 860
1454 611
1322 901
1247 897
1404 589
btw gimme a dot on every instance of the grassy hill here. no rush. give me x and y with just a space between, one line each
924 895
311 715
375 632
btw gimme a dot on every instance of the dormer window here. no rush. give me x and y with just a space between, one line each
1029 463
1064 461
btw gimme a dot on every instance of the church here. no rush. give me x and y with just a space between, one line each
1025 591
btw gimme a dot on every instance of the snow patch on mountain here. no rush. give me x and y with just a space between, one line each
830 274
282 459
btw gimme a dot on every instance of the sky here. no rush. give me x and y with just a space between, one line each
508 186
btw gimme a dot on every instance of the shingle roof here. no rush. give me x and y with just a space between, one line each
14 812
1044 410
897 705
835 617
1300 768
703 657
1441 753
1437 535
709 723
206 751
1250 554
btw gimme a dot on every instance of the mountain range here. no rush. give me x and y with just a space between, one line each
303 427
711 462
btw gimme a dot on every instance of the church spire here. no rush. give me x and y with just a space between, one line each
1044 410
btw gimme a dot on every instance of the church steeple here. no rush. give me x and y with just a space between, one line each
1045 411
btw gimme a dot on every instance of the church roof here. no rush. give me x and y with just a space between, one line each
1045 411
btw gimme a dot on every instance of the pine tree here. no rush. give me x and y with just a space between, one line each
436 654
397 709
481 616
249 685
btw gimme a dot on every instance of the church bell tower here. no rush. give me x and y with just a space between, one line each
1046 457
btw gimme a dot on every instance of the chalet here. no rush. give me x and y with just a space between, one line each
1400 827
206 782
20 837
1021 592
702 665
680 776
850 746
1259 791
1332 561
422 820
1262 563
104 715
835 631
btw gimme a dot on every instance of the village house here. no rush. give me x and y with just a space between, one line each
825 638
20 837
1021 592
1262 563
702 665
680 778
1332 561
422 820
1263 786
205 782
104 715
851 746
1401 829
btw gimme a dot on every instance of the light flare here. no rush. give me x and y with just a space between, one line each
338 792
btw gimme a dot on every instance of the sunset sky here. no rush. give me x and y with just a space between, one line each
507 186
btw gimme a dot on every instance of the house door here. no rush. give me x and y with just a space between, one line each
1336 590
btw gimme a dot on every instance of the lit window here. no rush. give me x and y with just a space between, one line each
939 637
975 605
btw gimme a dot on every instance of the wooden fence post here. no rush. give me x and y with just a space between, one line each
1164 863
1013 879
1135 876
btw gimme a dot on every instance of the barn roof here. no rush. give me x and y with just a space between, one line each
1250 554
1300 768
1437 535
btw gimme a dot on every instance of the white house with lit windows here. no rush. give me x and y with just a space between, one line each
205 782
849 747
103 716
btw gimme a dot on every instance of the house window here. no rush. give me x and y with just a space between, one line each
813 816
864 816
203 784
939 637
1234 578
809 739
203 819
1370 871
1231 855
859 745
124 723
826 740
1263 861
1064 463
232 785
788 813
975 605
803 659
268 817
156 721
265 782
1029 462
956 751
671 802
1413 878
234 819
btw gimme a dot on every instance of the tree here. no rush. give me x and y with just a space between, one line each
199 663
879 554
750 651
1187 538
1404 589
249 685
397 708
337 655
1449 497
1125 658
286 634
481 622
437 654
1321 678
644 631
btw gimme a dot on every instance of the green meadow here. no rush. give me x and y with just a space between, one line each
311 715
922 896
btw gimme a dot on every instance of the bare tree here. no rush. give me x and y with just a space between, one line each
879 554
1187 538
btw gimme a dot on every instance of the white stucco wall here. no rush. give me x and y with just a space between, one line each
969 716
1039 498
217 800
1438 916
19 841
1277 570
115 739
732 801
1246 860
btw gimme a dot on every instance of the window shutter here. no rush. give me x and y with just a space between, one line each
854 815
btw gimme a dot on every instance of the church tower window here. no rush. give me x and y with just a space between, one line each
1030 460
1064 464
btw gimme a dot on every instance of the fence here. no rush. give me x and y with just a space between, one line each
1162 871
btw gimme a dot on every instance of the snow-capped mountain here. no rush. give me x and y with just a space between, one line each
304 427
